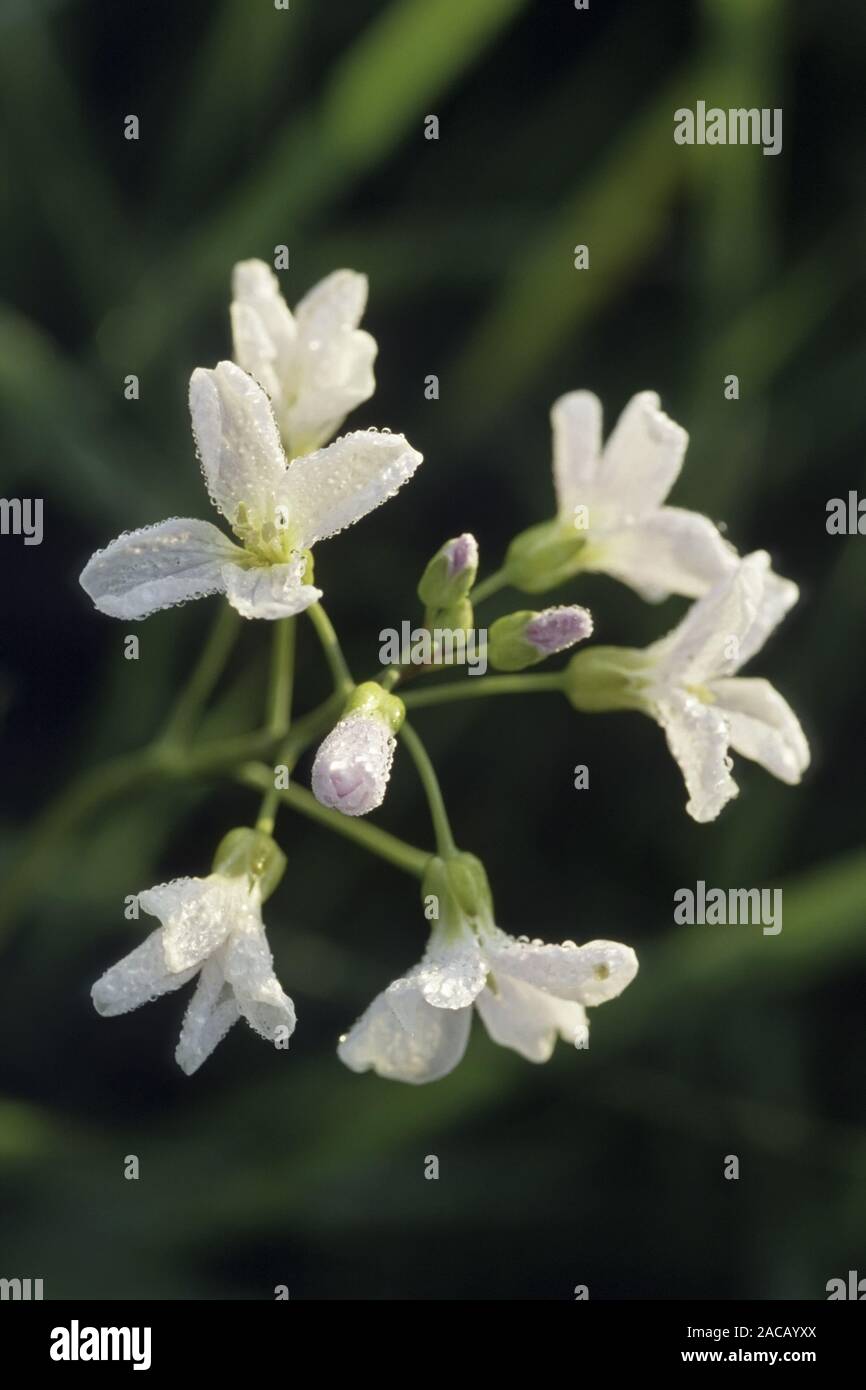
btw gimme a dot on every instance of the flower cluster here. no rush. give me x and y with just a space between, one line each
263 426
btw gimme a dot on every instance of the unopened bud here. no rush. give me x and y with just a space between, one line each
523 639
451 573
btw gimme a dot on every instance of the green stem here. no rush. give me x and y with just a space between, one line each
444 839
491 585
279 707
282 676
407 857
204 677
478 687
340 672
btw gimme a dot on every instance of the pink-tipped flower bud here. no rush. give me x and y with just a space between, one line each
523 639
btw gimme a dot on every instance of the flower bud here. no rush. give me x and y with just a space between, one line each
523 639
252 853
353 764
450 574
543 556
606 678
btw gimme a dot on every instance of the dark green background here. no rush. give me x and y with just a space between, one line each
260 127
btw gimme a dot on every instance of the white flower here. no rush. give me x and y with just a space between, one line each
353 764
211 927
704 708
612 498
277 511
527 993
316 364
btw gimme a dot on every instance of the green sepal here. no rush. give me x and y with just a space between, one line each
252 853
543 556
461 887
607 678
507 648
371 698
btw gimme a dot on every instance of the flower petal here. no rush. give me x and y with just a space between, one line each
576 421
777 598
763 726
212 1011
270 591
197 915
710 640
642 458
238 442
249 968
264 332
335 359
453 971
353 765
698 736
416 1044
141 976
671 551
334 487
519 1016
589 974
157 567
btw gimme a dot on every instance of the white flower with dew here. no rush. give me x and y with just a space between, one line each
690 685
528 993
277 511
611 512
316 364
211 927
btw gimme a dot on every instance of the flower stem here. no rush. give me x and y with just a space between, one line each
406 857
340 673
491 585
204 677
279 707
478 687
444 839
282 677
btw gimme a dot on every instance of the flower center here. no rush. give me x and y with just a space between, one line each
268 542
